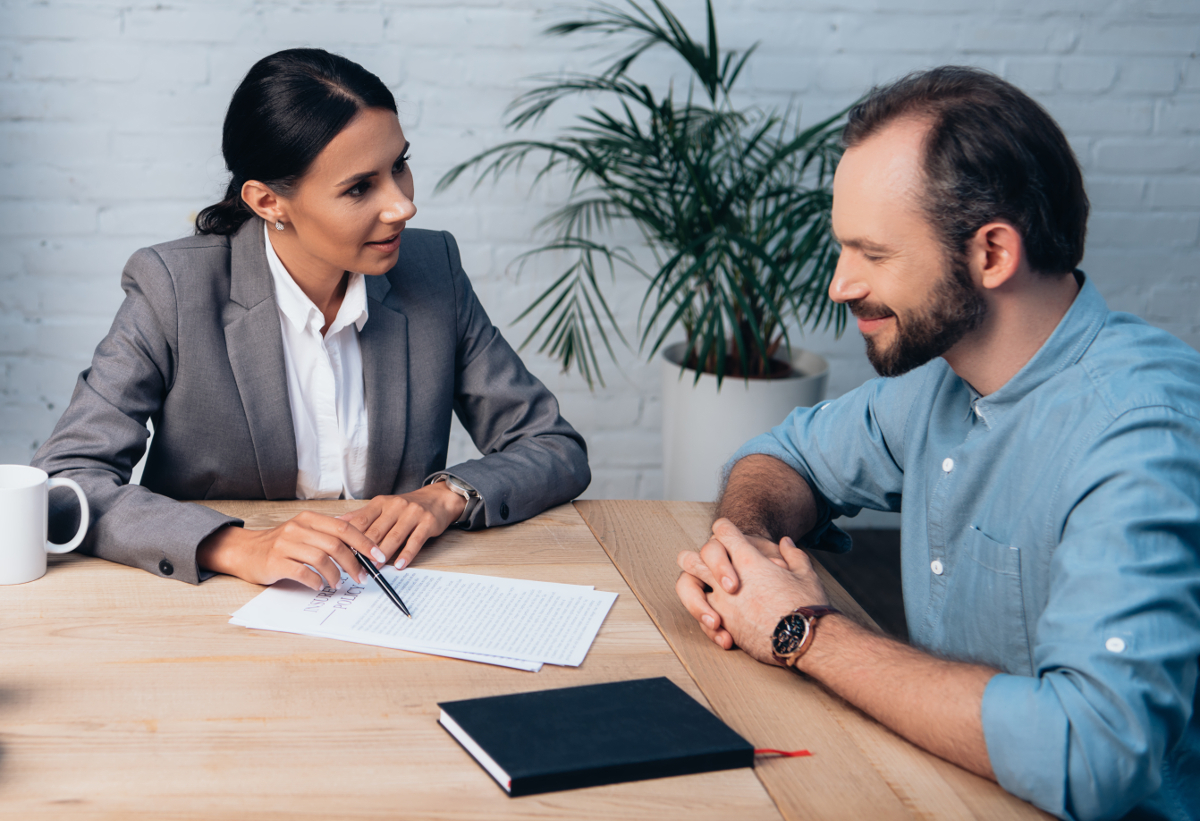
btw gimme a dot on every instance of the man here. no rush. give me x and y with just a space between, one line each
1044 454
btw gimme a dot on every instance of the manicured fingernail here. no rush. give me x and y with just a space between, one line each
709 620
364 577
378 554
727 583
400 563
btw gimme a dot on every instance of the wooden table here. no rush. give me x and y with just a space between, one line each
859 769
127 696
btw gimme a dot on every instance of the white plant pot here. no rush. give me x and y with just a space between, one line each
703 427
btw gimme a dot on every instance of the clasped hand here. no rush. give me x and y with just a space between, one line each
739 586
314 549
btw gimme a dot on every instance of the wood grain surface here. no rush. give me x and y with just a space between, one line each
859 769
123 695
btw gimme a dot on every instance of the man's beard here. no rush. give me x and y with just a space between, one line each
956 308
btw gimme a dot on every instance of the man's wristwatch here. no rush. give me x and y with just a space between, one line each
462 489
794 633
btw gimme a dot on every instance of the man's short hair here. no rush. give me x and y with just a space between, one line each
991 153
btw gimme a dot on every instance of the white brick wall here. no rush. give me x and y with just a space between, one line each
110 114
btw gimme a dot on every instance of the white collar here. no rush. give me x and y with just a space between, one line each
302 311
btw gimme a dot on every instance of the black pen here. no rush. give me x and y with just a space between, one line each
377 576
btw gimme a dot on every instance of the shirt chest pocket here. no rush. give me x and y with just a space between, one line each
984 616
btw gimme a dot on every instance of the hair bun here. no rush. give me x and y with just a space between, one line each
290 105
227 216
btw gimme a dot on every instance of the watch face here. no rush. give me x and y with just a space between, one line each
789 634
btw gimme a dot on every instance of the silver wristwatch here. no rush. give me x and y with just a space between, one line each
462 489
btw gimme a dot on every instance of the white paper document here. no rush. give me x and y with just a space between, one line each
511 622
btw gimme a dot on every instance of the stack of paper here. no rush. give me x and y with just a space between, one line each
510 622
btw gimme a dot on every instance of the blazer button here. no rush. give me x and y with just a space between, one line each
166 568
504 510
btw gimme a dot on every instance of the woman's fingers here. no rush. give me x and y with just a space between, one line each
310 548
318 558
395 538
389 529
364 517
336 537
323 543
302 573
410 521
341 529
377 530
416 540
288 559
390 512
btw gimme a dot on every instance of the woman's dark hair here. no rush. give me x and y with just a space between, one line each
991 153
286 110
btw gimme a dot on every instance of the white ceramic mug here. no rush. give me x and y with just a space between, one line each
24 521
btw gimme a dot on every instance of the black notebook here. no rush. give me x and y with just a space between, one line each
598 734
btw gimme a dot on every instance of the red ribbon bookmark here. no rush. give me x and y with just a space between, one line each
787 753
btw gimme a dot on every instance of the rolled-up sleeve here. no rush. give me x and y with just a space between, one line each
849 450
1117 644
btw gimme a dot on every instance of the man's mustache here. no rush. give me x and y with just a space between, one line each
865 310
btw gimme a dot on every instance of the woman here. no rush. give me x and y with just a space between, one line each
305 344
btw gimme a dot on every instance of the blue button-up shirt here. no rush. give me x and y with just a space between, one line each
1050 530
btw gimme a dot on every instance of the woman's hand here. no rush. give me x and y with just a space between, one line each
410 519
293 550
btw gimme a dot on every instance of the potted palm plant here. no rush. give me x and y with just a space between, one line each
733 204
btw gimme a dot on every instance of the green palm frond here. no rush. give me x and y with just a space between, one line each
733 202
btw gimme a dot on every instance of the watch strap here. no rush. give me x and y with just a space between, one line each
817 611
470 494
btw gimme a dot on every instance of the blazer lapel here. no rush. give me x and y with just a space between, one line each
255 346
383 341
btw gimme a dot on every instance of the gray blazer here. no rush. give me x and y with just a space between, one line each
196 348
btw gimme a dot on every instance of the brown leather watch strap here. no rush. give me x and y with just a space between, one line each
817 611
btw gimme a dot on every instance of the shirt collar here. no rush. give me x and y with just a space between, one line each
301 311
1075 332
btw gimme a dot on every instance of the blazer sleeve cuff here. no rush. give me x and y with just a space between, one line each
173 557
498 505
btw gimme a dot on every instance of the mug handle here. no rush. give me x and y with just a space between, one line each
84 516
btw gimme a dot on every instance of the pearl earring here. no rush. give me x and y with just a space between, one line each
278 225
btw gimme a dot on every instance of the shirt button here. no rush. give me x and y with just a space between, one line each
166 568
947 464
936 567
504 510
1115 645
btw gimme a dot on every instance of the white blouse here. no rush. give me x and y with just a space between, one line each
325 386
